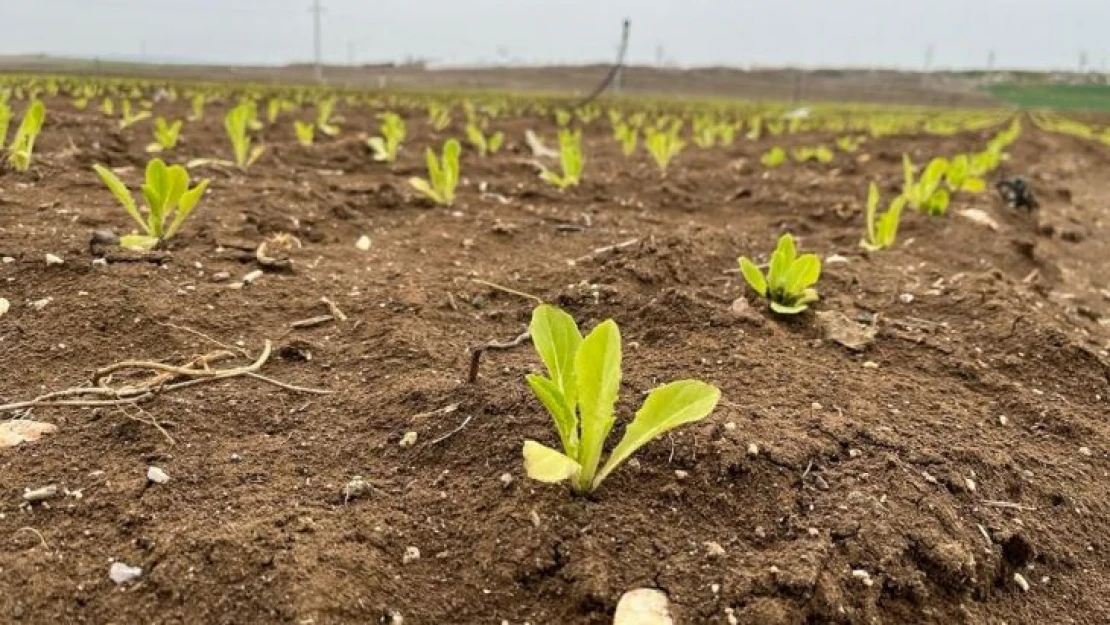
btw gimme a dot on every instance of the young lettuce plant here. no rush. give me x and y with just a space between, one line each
5 120
127 115
664 145
237 124
196 108
168 198
306 132
443 176
166 135
439 116
773 158
324 121
925 194
393 133
570 160
22 146
485 144
580 392
789 282
959 176
883 231
628 135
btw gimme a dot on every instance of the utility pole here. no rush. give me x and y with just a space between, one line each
929 52
991 61
317 39
351 52
626 27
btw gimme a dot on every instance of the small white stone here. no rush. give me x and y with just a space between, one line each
7 260
355 487
156 475
906 298
100 262
1002 420
970 483
1086 451
816 406
863 576
753 449
730 426
835 259
714 549
39 304
409 439
363 243
252 276
506 480
814 532
1021 582
643 606
870 365
412 554
53 260
680 474
854 453
5 305
121 573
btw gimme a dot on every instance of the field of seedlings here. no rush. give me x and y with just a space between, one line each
310 356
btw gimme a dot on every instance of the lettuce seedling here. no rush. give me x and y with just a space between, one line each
393 133
664 145
196 107
107 107
628 136
570 159
166 135
306 132
848 144
443 176
168 198
883 231
563 118
789 282
926 194
22 146
439 116
580 392
127 115
324 120
755 129
774 157
237 124
5 120
485 144
959 176
821 154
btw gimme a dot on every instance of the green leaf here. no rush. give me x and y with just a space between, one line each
139 242
781 259
597 366
424 187
665 409
188 202
377 145
783 309
753 276
120 191
872 206
557 339
803 273
973 185
545 464
561 408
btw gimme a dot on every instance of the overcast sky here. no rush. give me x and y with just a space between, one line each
1047 34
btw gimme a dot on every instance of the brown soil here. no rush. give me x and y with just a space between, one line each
991 385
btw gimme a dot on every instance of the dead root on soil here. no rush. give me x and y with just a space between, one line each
161 378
